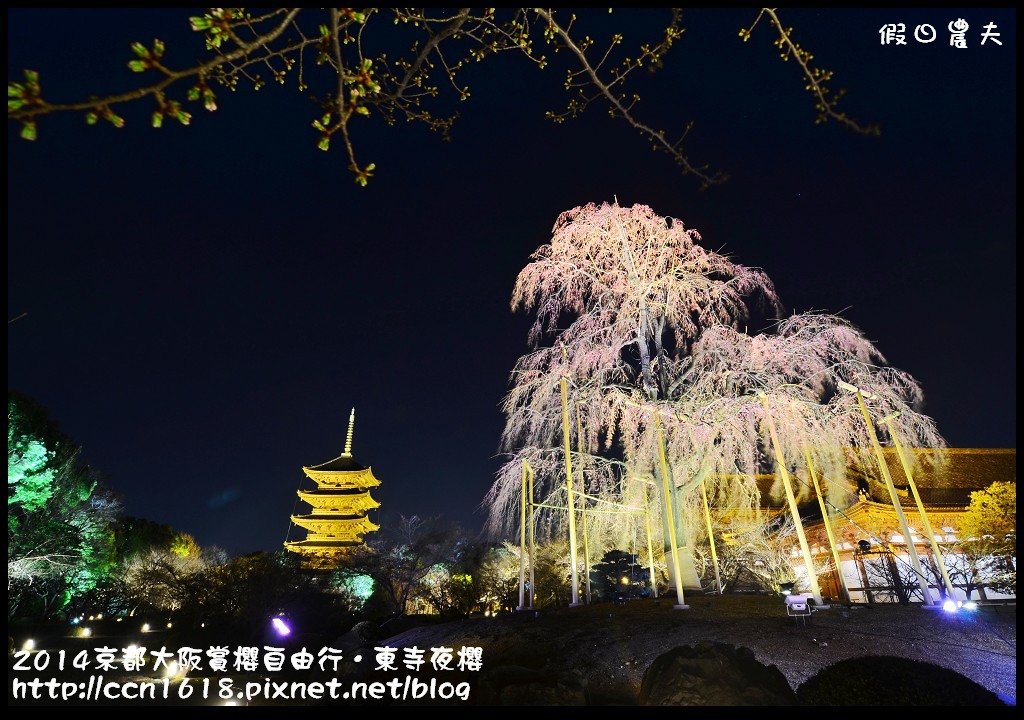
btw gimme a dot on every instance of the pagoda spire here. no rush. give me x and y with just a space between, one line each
348 436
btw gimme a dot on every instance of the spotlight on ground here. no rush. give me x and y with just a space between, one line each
281 627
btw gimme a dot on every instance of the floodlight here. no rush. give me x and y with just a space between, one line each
281 627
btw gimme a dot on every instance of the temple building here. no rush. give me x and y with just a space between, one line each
872 552
339 506
863 537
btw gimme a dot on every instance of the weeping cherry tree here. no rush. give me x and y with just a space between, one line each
619 296
780 396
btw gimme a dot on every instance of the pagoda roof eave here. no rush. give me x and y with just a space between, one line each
361 478
363 524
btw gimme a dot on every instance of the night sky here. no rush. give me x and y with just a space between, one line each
205 305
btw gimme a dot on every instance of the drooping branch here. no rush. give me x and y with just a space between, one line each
621 293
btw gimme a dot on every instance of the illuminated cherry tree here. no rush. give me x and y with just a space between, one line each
619 296
667 396
800 367
793 377
788 391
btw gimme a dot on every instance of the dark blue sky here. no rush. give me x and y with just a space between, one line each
206 304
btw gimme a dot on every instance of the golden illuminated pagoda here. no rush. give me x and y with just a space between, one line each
338 518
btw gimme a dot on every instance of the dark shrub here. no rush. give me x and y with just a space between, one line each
885 680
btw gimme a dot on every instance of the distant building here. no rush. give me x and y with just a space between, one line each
872 550
340 503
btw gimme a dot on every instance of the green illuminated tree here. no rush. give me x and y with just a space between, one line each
60 517
401 64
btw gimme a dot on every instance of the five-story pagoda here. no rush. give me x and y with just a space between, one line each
340 503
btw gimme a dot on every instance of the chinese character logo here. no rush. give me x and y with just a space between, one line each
893 33
958 33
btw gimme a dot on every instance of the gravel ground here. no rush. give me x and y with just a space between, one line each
613 645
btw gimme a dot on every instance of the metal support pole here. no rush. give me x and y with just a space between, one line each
711 535
828 528
780 462
586 537
680 605
522 543
533 553
569 489
650 546
887 421
922 581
